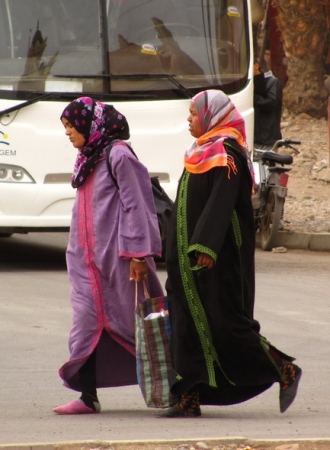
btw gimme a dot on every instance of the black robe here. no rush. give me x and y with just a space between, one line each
216 345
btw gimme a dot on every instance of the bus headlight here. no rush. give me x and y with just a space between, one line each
3 173
14 174
18 174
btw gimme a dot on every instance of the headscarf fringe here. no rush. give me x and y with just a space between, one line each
231 166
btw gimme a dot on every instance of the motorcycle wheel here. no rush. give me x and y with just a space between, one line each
271 219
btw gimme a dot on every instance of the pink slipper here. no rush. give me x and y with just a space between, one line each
76 407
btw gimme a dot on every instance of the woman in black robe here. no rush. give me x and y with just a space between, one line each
219 356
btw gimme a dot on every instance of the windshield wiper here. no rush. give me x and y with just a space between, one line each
24 104
137 76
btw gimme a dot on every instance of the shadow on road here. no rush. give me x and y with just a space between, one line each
34 251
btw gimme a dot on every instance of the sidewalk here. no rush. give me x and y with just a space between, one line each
318 242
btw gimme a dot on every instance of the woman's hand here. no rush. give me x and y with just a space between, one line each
205 260
138 270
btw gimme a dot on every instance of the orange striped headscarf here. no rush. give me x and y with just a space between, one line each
219 120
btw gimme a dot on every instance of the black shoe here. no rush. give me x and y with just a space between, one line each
288 394
174 412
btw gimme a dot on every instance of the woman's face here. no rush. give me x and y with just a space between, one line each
194 126
76 138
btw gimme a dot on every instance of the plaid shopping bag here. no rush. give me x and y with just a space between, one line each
153 359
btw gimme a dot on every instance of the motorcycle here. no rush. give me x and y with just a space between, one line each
270 190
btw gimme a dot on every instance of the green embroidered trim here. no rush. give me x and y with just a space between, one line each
237 229
194 302
201 249
238 238
265 345
198 268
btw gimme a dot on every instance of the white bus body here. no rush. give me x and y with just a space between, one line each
147 58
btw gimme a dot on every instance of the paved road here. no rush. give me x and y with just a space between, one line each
292 304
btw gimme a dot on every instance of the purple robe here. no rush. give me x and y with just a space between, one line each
109 226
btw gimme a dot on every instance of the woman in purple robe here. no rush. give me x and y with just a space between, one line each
114 237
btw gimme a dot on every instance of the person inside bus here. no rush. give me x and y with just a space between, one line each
267 102
217 350
114 237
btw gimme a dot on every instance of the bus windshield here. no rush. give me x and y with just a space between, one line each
150 49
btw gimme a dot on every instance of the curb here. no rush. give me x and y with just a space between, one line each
317 242
201 444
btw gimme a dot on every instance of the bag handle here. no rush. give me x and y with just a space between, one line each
145 291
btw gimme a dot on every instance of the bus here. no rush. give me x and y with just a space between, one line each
146 57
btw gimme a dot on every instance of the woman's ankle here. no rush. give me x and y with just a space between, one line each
90 400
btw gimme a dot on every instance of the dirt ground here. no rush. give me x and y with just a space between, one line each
307 207
235 444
